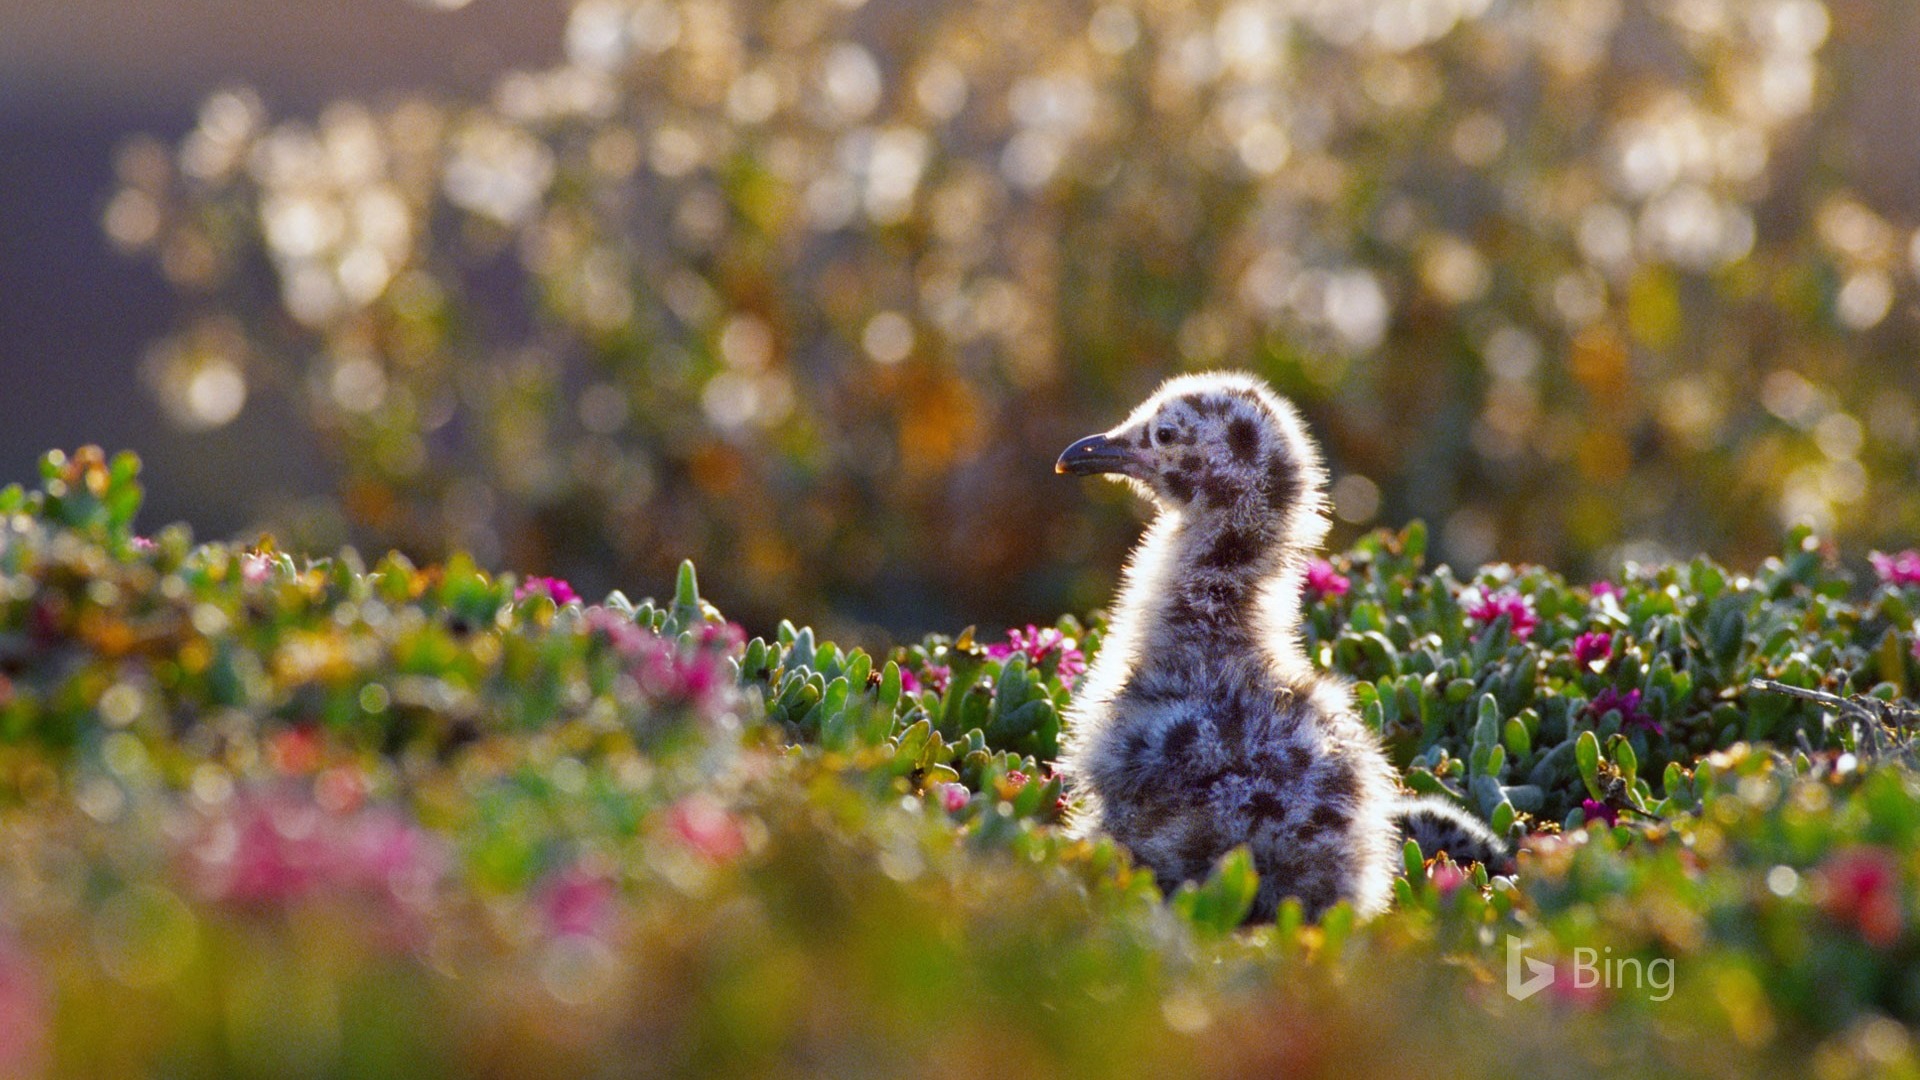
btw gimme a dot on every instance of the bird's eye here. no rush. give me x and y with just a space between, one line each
1163 434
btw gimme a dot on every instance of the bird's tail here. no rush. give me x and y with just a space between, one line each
1438 825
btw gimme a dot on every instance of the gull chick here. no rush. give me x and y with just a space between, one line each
1201 725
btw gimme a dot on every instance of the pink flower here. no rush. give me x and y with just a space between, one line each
255 568
1587 648
1605 588
1901 569
722 637
268 850
664 674
1860 887
553 588
379 851
628 638
1011 784
296 751
1446 876
263 853
578 903
1038 644
1486 610
668 672
1569 988
707 829
1324 580
955 797
1599 811
24 1014
341 790
144 546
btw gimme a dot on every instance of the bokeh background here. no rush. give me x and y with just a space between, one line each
78 78
813 291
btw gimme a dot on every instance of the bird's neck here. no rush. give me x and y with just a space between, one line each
1231 584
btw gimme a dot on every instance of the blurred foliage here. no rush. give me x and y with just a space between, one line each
812 291
271 817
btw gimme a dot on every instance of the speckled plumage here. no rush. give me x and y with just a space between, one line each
1201 725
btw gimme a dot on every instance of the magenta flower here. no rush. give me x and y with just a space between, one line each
144 546
1486 610
1324 580
48 623
1860 887
1588 648
1599 811
1631 714
666 675
955 797
1605 588
934 677
667 672
578 903
1901 569
270 849
1037 645
553 588
722 637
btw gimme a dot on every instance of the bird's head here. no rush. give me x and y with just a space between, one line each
1220 443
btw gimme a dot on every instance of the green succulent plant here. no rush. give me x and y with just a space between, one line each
264 814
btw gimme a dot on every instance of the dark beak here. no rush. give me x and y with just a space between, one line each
1094 454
